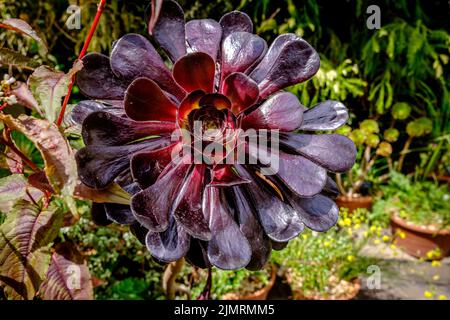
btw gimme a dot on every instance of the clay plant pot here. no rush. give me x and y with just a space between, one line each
353 203
260 294
353 288
417 241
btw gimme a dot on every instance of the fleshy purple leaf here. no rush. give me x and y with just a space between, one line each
296 62
281 111
97 81
105 129
204 35
228 248
134 56
170 245
318 213
334 152
242 91
235 21
153 205
169 30
195 71
240 51
145 101
328 115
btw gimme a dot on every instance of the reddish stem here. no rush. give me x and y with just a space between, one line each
100 8
24 158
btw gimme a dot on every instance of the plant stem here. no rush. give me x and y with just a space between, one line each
10 144
170 276
403 154
100 8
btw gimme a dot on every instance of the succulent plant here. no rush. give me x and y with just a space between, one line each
401 111
212 212
391 134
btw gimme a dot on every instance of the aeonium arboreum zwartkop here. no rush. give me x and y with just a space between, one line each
147 120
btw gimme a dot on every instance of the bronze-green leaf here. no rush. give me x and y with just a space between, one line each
60 166
113 194
22 27
25 239
13 188
68 276
12 58
49 87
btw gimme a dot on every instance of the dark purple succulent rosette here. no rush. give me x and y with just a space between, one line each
226 215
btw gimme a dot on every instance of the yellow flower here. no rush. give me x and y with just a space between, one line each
442 297
386 238
304 236
349 231
430 254
365 234
401 234
357 226
435 263
376 241
326 244
347 222
393 246
373 229
350 258
436 277
427 294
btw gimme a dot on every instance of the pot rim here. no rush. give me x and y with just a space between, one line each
417 228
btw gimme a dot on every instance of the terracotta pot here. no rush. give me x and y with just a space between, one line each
260 294
353 203
297 294
419 240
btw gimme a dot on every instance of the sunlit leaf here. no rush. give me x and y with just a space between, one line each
12 58
68 276
49 87
25 239
22 27
113 194
60 166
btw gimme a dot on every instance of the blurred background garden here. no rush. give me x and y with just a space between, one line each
393 237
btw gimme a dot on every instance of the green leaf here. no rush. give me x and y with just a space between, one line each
12 58
13 188
68 276
113 194
49 87
60 166
23 27
25 239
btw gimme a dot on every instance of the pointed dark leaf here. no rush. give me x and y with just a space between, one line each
86 107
